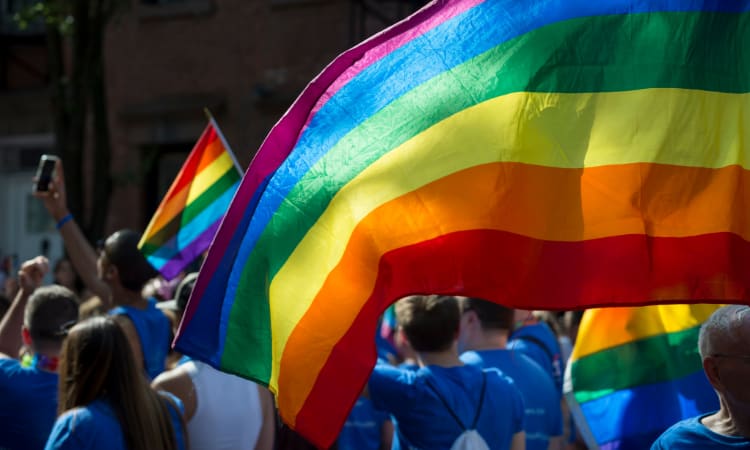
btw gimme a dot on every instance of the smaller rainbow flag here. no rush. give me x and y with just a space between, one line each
635 372
186 221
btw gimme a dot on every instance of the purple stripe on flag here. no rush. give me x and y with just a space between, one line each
188 254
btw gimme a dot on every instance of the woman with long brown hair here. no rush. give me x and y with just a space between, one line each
105 400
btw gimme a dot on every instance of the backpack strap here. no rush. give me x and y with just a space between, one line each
450 410
481 401
539 343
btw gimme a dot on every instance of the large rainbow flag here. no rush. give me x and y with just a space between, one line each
186 221
541 154
635 372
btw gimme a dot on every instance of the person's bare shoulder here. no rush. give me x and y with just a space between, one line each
178 382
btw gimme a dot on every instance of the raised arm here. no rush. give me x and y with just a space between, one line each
30 277
81 253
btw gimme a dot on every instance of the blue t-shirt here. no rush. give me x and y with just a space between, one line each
96 426
28 405
540 399
691 434
89 427
363 427
527 340
421 419
154 330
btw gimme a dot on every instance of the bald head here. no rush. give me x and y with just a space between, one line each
121 250
722 331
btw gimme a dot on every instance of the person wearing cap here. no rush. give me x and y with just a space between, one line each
222 411
173 309
116 275
38 319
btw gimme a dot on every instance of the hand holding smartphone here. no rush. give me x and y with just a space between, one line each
44 172
49 186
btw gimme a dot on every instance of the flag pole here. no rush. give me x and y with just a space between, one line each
211 119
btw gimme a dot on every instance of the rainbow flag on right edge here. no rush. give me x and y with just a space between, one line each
545 154
635 372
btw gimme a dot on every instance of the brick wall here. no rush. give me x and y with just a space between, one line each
244 59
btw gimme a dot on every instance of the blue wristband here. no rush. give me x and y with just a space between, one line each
63 221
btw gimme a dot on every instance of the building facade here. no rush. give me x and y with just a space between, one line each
167 60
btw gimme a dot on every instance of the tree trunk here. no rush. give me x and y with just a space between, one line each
58 90
102 185
76 105
77 90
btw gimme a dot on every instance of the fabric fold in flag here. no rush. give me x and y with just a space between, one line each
188 217
541 154
635 372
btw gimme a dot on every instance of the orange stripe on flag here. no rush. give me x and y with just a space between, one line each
205 152
540 202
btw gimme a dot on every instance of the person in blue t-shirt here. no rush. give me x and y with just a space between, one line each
434 405
116 275
723 343
693 434
105 400
125 271
536 340
37 319
366 428
483 336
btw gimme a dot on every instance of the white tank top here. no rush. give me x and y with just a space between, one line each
228 414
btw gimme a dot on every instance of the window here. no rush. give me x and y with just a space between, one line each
167 9
162 2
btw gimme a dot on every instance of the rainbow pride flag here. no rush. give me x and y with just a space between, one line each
186 221
635 372
542 154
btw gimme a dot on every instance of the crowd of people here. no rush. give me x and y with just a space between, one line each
87 365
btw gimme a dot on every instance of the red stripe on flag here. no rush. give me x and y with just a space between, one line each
524 273
191 167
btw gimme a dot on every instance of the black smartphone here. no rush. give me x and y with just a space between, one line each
44 172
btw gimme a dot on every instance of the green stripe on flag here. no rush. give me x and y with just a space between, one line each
594 54
656 359
171 228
